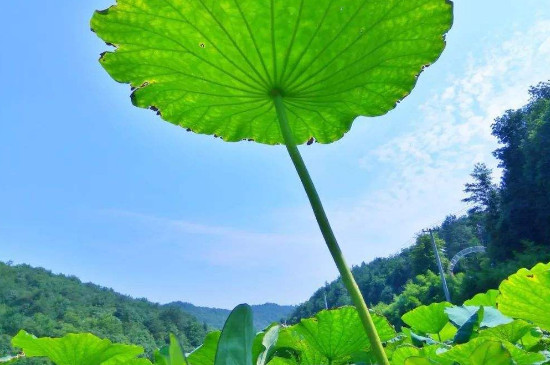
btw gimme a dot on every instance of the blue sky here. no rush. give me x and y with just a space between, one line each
91 186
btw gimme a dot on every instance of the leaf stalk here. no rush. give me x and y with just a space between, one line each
328 234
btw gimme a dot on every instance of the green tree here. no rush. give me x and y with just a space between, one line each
525 188
481 191
423 256
35 300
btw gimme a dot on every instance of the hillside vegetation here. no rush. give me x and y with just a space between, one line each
512 219
45 304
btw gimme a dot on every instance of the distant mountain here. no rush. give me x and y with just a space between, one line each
264 314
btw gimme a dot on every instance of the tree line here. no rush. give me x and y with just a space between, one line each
511 219
51 305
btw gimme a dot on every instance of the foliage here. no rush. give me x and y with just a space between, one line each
513 221
482 191
423 256
215 68
459 233
526 295
77 349
524 197
45 304
379 281
482 336
423 289
428 318
332 336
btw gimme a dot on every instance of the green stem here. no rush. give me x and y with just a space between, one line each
328 235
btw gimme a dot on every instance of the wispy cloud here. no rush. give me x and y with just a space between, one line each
455 125
429 166
219 245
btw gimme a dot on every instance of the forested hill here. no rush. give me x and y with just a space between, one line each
264 314
512 219
45 304
382 279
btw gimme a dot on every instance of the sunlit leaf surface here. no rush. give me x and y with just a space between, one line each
526 295
428 318
213 66
332 336
77 349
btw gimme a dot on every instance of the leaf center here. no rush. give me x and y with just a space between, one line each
276 91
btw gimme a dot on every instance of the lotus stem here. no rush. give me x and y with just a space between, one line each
328 234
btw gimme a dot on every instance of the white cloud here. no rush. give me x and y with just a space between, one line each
430 165
456 123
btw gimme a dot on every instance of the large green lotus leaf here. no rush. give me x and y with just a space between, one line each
487 299
463 353
332 336
491 353
76 349
511 332
213 66
447 333
403 353
205 353
427 318
526 295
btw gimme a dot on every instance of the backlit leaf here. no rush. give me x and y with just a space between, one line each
526 295
491 353
427 318
332 336
76 349
511 332
214 66
487 299
462 354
